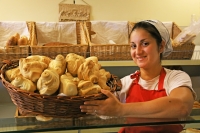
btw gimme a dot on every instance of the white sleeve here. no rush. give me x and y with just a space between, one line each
126 83
176 78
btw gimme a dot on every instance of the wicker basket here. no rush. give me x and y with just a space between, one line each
55 106
107 51
51 51
183 52
16 52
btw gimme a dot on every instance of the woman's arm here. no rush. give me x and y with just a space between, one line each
177 105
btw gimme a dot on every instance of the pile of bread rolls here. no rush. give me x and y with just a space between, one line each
70 76
17 40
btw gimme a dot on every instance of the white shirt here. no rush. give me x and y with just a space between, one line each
173 79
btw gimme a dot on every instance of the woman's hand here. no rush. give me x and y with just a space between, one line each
108 107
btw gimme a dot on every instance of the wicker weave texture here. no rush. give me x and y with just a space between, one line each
51 51
32 103
122 51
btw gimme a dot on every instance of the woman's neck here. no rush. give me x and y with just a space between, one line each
148 74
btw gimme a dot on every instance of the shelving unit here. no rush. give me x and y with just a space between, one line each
164 62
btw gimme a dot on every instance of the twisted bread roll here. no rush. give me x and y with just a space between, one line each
103 78
12 73
24 84
49 82
94 89
31 70
58 64
73 63
88 71
39 58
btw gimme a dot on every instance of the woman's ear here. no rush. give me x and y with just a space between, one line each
162 46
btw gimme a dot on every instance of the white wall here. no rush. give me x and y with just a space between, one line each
179 11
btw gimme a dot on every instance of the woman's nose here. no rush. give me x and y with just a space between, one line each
138 50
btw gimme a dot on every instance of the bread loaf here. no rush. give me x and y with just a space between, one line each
23 40
12 41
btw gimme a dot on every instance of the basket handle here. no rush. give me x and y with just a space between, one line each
8 62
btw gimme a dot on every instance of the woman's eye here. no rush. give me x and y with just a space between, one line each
133 46
145 43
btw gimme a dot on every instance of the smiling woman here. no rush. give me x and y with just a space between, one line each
153 91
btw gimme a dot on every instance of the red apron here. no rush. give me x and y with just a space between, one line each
138 94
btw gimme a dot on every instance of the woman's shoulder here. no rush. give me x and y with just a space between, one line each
171 73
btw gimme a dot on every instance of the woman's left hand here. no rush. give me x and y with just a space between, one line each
108 107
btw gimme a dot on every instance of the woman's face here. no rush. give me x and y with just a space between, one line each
144 49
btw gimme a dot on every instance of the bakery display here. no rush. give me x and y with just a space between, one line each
73 75
56 87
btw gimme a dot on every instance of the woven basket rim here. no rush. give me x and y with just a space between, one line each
65 106
43 96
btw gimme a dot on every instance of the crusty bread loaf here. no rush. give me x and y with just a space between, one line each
23 40
12 41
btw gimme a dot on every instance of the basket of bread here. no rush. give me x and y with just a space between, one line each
40 85
16 37
54 38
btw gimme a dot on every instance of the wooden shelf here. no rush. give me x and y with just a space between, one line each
164 62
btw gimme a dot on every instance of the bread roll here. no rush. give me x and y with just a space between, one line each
31 69
39 58
23 40
58 64
43 118
88 71
67 85
12 73
24 84
12 41
49 82
94 89
17 35
103 78
73 63
84 84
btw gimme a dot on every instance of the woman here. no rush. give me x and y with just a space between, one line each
153 91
